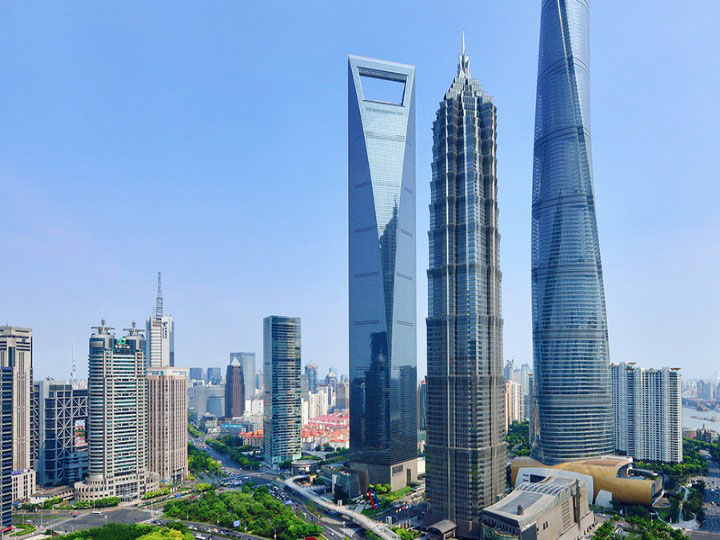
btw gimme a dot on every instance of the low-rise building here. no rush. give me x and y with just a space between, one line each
555 508
606 478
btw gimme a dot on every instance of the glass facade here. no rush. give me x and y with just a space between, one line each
382 266
571 409
465 450
281 368
6 445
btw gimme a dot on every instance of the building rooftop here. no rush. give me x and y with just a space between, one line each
528 500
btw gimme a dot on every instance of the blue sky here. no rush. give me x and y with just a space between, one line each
209 141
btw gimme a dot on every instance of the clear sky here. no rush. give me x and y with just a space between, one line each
209 141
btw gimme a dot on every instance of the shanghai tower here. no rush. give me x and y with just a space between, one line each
571 413
465 450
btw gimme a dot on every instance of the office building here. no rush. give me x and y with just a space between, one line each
647 411
207 399
555 508
331 377
234 391
572 403
62 451
465 448
312 377
247 361
214 375
6 446
117 418
422 406
342 395
382 271
167 399
16 353
282 407
196 374
160 334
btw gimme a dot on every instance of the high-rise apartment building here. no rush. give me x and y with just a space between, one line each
282 405
342 395
214 375
513 403
647 411
382 271
167 398
247 361
6 446
16 353
234 391
572 402
117 418
160 332
312 377
465 448
61 413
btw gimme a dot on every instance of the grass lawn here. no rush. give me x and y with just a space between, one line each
22 529
395 495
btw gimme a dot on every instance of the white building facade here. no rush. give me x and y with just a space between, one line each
647 410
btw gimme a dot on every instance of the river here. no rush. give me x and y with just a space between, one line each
694 423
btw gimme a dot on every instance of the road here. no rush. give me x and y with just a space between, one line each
383 531
712 495
333 529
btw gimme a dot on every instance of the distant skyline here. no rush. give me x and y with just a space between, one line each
210 143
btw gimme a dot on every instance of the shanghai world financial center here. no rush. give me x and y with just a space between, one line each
382 272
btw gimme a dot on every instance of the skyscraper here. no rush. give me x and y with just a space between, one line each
312 377
282 408
16 353
234 391
382 287
167 395
422 406
572 404
160 330
214 375
117 418
196 374
247 361
61 411
6 446
465 449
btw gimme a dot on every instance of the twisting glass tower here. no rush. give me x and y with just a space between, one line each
572 416
466 455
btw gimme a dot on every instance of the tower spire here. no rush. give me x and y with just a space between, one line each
463 60
159 299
